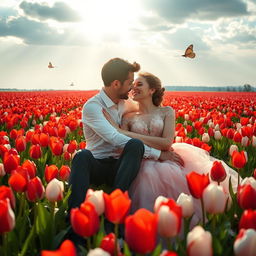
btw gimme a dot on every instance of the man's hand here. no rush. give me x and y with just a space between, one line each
172 156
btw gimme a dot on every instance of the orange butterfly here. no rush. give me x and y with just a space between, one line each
50 65
189 52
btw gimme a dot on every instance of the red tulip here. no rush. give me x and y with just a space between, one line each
244 121
141 231
108 244
7 217
56 146
35 189
73 124
246 196
72 146
50 172
19 180
248 219
11 162
3 150
218 172
44 139
117 206
6 192
237 137
168 253
67 248
67 156
35 151
31 168
64 172
13 134
29 135
197 183
82 145
20 143
85 220
238 159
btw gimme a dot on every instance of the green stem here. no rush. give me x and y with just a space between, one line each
88 241
25 246
22 202
203 214
238 180
116 239
168 243
5 244
53 218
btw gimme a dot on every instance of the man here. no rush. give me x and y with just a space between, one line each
101 162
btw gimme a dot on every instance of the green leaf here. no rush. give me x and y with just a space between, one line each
127 251
157 250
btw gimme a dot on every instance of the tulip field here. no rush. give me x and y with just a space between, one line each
41 131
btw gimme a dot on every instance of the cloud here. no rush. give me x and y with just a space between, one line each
60 11
179 11
34 32
6 12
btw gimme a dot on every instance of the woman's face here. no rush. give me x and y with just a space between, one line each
141 89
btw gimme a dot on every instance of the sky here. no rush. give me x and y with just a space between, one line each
79 36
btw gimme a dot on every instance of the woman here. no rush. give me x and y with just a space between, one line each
155 126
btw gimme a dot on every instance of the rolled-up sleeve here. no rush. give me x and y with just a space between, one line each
93 117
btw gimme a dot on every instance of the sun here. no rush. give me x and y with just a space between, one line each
107 18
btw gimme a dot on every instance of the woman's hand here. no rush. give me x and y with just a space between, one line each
172 156
110 119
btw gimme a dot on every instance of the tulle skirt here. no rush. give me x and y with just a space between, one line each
168 179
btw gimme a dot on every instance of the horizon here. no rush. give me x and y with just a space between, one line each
78 37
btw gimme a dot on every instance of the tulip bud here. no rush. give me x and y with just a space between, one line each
64 172
239 159
248 219
96 198
158 201
6 192
54 190
205 138
2 172
245 141
67 248
187 205
245 243
217 135
7 217
232 148
35 189
218 172
215 199
98 252
254 141
199 242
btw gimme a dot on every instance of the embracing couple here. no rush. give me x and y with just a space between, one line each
129 141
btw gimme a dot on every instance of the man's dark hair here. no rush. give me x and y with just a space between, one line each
117 69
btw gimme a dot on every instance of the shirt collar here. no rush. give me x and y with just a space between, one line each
109 103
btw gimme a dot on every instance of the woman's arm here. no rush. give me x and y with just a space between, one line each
161 143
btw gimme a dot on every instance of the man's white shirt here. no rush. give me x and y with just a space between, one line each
102 139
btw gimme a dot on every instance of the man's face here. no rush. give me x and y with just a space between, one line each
126 87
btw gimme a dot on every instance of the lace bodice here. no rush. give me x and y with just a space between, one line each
147 124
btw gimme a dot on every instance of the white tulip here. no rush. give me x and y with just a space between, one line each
2 171
205 137
158 201
217 135
254 141
217 127
244 141
54 190
215 199
187 205
96 198
245 243
199 242
98 252
168 222
232 148
238 126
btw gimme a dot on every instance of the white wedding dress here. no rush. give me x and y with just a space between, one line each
166 178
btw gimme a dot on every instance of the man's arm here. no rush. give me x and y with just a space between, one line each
94 118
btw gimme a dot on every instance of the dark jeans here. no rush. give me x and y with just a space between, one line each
118 173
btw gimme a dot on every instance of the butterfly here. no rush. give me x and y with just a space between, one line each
189 52
50 65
